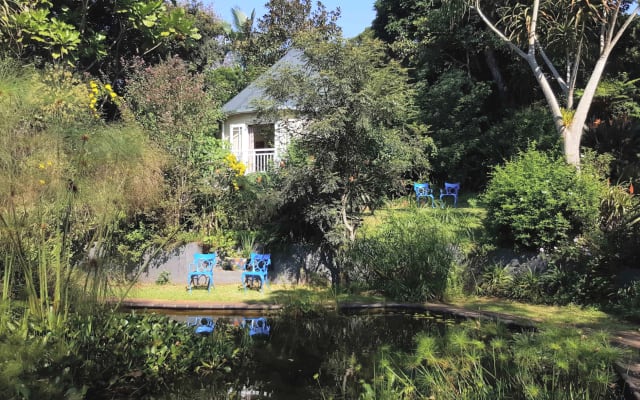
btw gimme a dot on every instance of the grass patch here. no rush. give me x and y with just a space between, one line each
234 293
571 315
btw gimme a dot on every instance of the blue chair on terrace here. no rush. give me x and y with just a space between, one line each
450 189
423 191
255 271
201 267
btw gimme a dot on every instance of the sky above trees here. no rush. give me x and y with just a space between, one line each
356 15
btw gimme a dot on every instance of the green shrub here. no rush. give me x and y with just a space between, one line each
409 257
163 278
486 361
111 356
537 201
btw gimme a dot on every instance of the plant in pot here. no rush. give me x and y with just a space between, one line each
246 244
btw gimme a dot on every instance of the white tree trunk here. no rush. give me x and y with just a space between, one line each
571 133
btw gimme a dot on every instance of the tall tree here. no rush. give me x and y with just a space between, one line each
279 26
530 30
358 139
95 35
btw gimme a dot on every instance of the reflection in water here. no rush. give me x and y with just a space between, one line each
257 326
317 358
202 325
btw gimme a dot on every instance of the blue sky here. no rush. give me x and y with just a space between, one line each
355 16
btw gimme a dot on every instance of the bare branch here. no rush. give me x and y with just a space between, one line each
497 31
624 27
533 27
552 68
613 22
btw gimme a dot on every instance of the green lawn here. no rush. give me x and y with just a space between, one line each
579 317
571 315
233 293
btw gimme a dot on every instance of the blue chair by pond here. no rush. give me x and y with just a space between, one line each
201 267
423 191
255 271
257 326
450 189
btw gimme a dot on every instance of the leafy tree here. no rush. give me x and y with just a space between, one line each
94 35
457 123
278 27
574 30
181 118
357 140
466 83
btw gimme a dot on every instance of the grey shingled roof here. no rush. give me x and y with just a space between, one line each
243 102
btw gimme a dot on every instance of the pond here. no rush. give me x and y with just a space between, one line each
380 356
320 357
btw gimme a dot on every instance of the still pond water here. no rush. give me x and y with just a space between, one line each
317 358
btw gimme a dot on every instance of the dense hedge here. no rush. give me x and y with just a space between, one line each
538 201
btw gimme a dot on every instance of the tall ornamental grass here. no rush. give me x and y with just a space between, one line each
414 255
487 362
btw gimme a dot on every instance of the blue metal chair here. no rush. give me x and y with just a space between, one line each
450 189
201 267
255 271
423 191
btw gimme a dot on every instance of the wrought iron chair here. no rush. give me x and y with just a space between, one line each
450 189
423 191
201 267
256 271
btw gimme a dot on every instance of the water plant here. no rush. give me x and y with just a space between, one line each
487 361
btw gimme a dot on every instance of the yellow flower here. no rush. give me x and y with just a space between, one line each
41 165
42 181
93 84
108 87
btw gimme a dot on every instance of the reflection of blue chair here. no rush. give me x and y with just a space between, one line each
203 325
450 189
201 266
257 326
423 191
256 271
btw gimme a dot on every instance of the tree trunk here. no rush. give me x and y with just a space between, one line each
573 132
490 58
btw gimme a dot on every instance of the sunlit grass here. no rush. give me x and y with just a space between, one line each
234 293
570 315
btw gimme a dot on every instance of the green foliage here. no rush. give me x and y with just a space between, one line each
457 124
108 354
163 278
488 362
411 256
66 179
357 144
181 118
277 29
626 301
95 35
538 201
223 83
